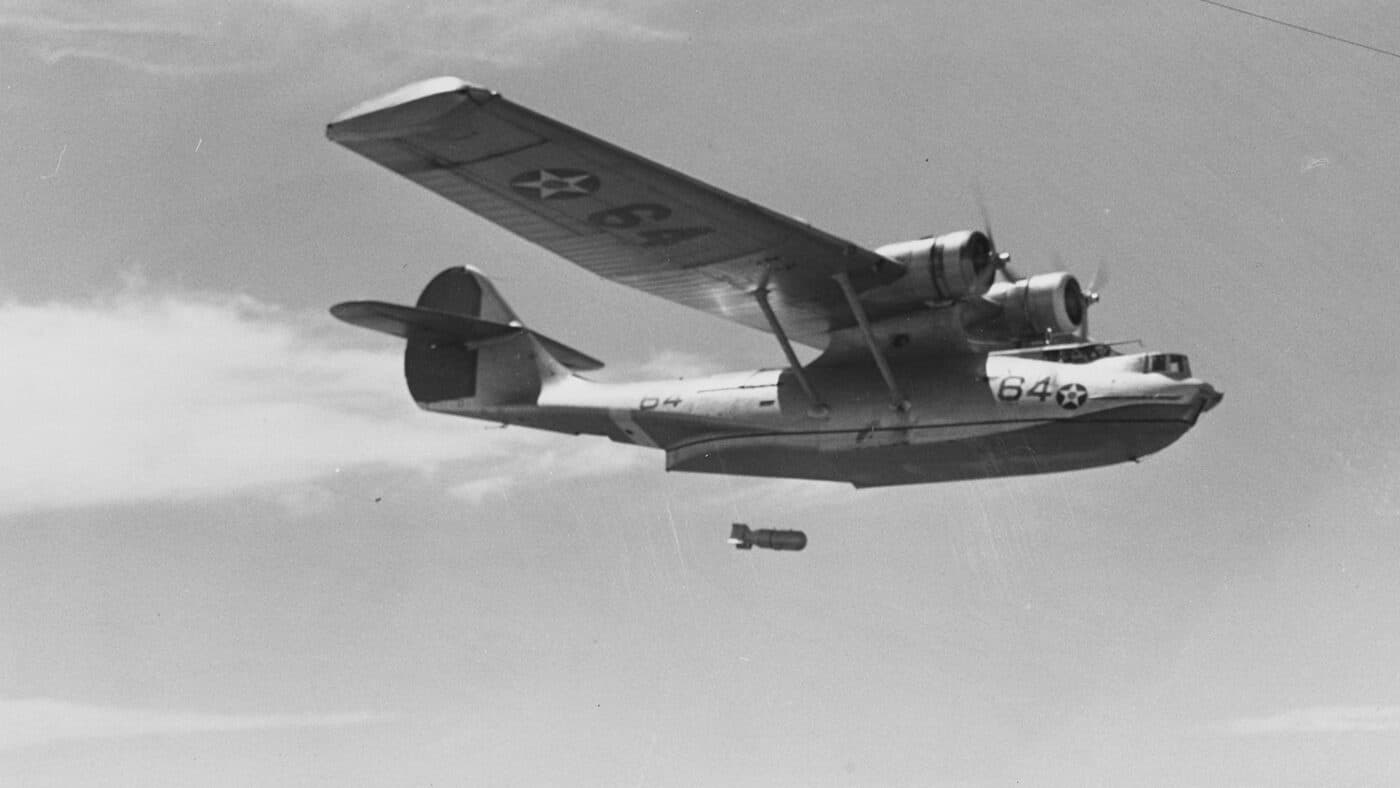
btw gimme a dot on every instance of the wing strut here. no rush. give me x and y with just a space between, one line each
818 409
897 398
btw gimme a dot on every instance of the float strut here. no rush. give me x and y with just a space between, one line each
818 408
897 398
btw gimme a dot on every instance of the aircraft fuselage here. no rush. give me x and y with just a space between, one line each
972 416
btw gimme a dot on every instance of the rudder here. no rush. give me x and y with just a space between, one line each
502 372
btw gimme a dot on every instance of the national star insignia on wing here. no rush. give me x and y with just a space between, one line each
547 184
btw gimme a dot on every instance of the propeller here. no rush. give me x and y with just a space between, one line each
1000 261
1082 297
1090 296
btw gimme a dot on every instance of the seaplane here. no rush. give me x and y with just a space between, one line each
934 361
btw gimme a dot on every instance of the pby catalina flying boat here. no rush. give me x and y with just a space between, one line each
937 361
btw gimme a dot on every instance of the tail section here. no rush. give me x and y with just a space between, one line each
465 344
500 371
465 291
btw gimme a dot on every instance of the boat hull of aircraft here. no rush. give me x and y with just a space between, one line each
933 453
963 432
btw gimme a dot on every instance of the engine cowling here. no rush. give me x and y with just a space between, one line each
944 268
1044 304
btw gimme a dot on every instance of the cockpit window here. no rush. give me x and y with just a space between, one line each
1170 364
1080 354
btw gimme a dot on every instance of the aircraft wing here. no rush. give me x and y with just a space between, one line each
611 211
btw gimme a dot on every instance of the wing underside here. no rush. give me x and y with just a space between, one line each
610 211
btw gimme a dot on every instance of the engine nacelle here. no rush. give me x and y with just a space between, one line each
1044 304
944 268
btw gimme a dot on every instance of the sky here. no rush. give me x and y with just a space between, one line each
233 552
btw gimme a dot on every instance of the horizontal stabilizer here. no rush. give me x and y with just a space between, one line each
409 322
578 362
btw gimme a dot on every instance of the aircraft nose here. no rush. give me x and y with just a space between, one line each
1209 397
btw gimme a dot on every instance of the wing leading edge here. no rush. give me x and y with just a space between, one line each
615 213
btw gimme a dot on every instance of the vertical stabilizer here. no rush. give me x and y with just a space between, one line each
499 372
465 291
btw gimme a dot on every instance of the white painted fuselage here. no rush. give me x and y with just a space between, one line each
970 416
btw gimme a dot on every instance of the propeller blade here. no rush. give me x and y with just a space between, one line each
1001 261
982 212
1092 295
1100 279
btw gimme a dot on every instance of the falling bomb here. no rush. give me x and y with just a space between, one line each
744 538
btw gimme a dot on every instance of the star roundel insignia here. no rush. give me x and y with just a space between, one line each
558 183
1071 396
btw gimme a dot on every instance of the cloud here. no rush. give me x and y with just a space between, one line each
147 396
1321 719
589 458
170 38
153 68
34 721
51 25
